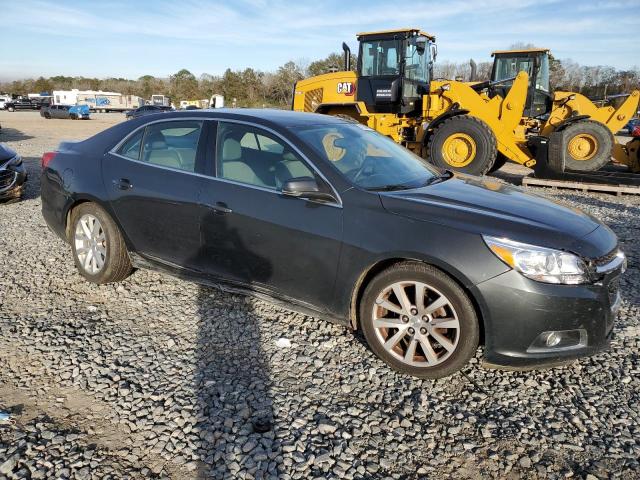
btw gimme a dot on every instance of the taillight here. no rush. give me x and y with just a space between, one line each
47 157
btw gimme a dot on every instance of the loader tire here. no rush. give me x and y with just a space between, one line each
499 163
464 144
588 146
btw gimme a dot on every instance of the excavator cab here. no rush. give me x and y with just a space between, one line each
394 70
507 64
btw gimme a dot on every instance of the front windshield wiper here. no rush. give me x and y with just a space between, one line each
446 175
389 188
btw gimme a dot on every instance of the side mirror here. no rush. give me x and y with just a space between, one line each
434 52
305 187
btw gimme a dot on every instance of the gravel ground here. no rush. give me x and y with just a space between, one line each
160 378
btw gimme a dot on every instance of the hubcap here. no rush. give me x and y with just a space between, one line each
459 150
583 146
90 244
429 336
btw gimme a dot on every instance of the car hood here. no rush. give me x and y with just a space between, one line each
6 153
491 207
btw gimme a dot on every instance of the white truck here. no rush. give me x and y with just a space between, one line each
98 101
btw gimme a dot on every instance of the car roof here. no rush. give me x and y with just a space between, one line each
267 117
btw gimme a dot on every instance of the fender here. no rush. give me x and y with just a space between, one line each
454 111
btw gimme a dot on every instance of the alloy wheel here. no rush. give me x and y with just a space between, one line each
90 244
416 324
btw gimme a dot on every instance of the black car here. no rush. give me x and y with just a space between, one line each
21 104
146 110
13 175
341 223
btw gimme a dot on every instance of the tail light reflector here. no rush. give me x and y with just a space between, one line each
47 157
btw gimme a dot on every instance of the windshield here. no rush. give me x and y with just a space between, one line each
380 57
509 67
366 158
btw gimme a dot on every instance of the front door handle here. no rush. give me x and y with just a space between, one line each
221 208
123 184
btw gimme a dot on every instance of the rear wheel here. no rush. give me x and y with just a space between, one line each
463 143
589 145
99 250
419 321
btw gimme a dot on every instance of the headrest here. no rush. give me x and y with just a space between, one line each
231 150
158 144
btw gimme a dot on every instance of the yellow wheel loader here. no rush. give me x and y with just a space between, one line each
582 135
454 125
393 92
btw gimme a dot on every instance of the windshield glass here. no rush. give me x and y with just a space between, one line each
366 158
380 57
509 67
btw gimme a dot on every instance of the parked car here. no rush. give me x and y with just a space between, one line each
74 112
13 175
21 104
635 132
146 110
340 223
631 125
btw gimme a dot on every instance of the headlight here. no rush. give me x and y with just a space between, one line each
539 263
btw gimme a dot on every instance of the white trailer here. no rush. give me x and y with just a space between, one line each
216 101
97 101
160 100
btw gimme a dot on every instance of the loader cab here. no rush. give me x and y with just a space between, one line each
394 70
508 63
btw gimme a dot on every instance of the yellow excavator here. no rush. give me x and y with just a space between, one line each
455 125
589 130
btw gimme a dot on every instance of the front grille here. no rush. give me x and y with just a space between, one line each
7 179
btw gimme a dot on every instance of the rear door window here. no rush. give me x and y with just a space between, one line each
172 144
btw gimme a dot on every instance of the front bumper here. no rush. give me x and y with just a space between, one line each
519 313
12 179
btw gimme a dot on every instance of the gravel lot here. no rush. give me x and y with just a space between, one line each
160 378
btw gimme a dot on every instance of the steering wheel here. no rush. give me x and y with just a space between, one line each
360 170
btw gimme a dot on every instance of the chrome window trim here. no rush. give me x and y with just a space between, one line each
114 150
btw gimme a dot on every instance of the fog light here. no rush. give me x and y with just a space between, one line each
553 339
558 340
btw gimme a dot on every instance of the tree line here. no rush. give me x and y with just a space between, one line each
254 88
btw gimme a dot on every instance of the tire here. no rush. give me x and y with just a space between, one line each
73 117
47 115
501 160
463 143
116 265
588 147
11 109
419 326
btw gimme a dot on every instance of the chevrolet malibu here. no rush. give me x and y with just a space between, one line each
339 222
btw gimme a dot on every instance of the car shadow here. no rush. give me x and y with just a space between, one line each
232 376
32 185
8 134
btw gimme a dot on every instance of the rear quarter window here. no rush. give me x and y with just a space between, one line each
131 148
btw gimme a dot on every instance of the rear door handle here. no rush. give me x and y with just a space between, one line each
221 208
123 184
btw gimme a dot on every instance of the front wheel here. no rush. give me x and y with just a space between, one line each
463 143
47 115
11 109
419 321
589 145
99 250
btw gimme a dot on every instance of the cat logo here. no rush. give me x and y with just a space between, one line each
346 88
